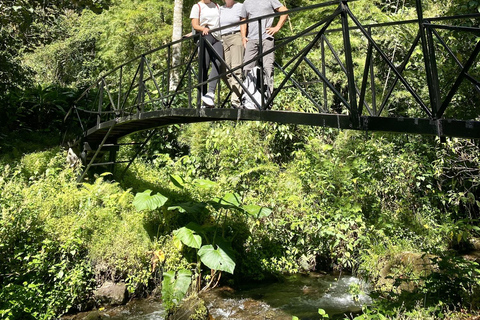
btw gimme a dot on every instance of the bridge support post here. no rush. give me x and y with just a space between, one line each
112 158
260 63
141 86
324 72
100 101
430 61
120 107
354 114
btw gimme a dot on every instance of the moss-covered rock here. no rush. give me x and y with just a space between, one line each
193 308
402 266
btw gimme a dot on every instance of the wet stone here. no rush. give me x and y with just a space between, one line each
111 294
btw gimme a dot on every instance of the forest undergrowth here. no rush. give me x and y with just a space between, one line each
396 210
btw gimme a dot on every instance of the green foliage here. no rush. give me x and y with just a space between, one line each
323 314
216 254
145 201
26 25
91 43
216 259
74 51
39 109
12 73
175 287
40 278
73 235
447 279
442 286
188 236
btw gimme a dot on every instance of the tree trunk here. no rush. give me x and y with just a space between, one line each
176 49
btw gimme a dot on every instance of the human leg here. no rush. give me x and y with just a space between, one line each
216 65
251 51
268 61
208 96
234 52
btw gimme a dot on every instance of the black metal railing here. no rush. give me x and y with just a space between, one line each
338 66
143 84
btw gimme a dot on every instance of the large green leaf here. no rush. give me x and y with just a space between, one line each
228 201
257 211
184 278
177 181
145 201
174 287
189 237
216 259
204 184
190 207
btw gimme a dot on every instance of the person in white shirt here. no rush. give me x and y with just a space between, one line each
233 49
205 15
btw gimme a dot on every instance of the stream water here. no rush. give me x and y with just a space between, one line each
298 295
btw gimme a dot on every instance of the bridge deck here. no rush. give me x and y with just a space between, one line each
148 120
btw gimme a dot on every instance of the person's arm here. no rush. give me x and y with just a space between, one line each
196 25
272 30
243 32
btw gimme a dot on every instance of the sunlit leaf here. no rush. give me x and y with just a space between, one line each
175 286
216 259
189 237
144 201
177 181
257 211
228 201
204 184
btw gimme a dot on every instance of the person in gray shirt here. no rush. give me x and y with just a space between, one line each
251 36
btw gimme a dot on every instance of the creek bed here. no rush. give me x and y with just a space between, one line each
297 295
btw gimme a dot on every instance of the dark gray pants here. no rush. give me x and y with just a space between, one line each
215 63
252 51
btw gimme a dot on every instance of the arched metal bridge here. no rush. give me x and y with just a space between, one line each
317 70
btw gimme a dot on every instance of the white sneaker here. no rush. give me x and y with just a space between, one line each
209 99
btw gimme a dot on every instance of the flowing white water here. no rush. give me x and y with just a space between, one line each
298 295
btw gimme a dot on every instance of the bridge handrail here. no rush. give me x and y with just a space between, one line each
475 30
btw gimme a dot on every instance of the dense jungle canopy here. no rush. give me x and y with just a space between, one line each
248 201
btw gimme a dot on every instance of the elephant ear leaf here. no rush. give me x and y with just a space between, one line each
145 201
175 286
216 259
257 211
188 237
228 201
190 207
204 184
177 181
